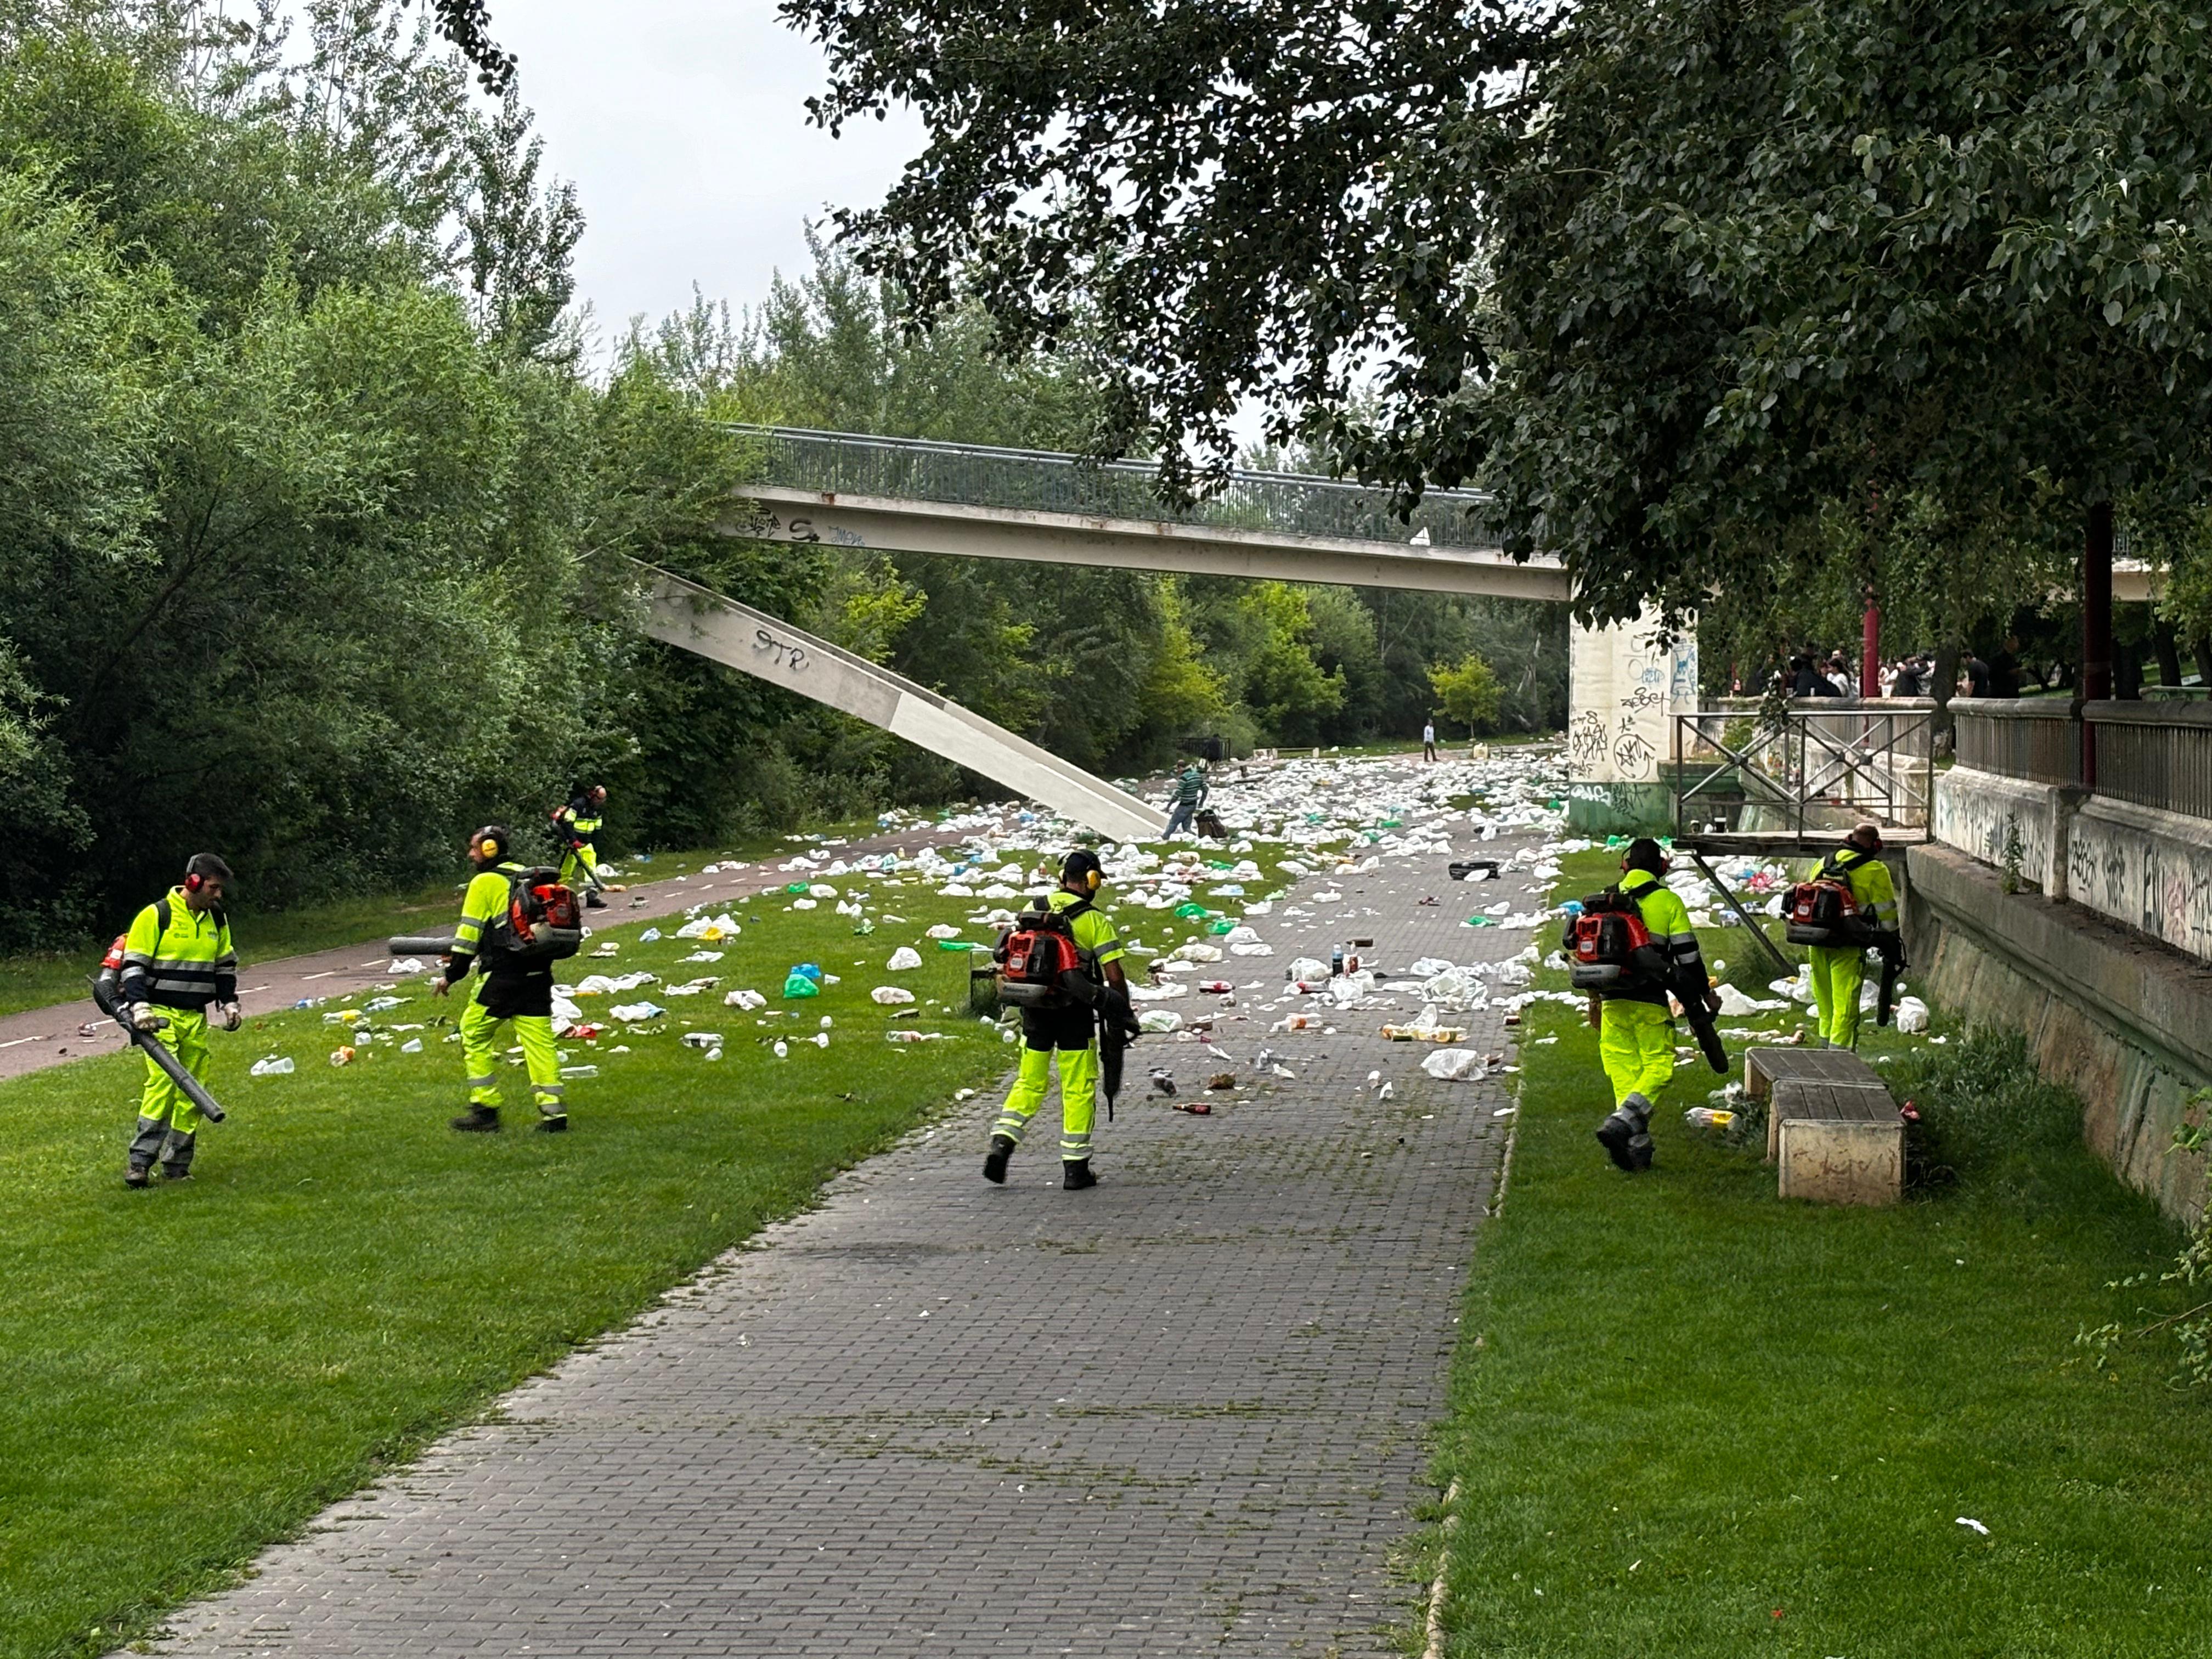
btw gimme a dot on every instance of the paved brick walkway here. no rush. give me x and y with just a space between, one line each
1182 1413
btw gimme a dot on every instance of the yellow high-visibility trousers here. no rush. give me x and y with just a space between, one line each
579 861
1078 1097
480 1051
161 1102
1836 977
1636 1041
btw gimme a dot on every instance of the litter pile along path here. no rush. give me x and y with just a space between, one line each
40 1037
1184 1412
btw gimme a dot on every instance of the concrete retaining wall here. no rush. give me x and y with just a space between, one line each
1977 812
2124 1019
2149 869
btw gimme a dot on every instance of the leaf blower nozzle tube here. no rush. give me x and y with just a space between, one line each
103 994
407 945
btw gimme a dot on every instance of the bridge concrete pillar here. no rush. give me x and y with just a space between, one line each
1625 683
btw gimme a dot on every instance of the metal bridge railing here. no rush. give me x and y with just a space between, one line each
1816 768
1280 503
2036 738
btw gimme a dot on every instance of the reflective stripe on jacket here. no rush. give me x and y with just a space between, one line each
1095 936
1666 918
186 964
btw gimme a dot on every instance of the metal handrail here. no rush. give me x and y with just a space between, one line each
1788 765
980 475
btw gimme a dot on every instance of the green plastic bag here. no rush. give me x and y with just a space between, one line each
1480 921
955 945
795 887
798 985
1190 912
1221 926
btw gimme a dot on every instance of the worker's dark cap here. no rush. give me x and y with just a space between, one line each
503 841
1079 864
1646 854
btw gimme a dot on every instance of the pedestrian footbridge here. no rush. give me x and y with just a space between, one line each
910 495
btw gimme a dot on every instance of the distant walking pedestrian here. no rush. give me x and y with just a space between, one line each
1429 740
1191 790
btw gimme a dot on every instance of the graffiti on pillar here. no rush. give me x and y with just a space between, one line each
1586 742
1626 683
1632 753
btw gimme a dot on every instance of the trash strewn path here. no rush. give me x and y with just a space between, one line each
1182 1413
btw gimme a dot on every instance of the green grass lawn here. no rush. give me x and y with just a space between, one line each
194 1370
1690 1419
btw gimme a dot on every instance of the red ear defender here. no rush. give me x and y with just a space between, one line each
193 884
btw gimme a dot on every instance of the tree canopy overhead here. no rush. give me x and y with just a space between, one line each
1672 281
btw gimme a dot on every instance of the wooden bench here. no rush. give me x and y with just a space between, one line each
1831 1125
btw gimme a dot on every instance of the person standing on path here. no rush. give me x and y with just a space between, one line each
1070 1028
1839 971
1635 1026
578 825
518 987
1191 790
178 961
1429 738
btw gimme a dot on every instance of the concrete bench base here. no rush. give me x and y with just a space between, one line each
1831 1125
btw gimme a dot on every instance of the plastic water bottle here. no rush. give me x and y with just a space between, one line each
1708 1117
274 1065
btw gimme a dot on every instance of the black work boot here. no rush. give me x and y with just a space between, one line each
593 902
556 1124
478 1121
1075 1174
138 1175
1627 1134
176 1172
994 1161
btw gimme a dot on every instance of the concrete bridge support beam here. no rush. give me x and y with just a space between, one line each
695 618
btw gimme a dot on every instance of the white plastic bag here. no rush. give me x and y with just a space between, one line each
891 996
1308 967
904 957
744 999
1911 1015
1453 1065
1159 1020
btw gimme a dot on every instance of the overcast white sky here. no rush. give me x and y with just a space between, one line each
684 123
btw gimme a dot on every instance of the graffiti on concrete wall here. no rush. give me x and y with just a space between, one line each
2155 879
1627 683
2004 824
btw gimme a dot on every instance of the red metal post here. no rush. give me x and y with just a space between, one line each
2096 628
1870 650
